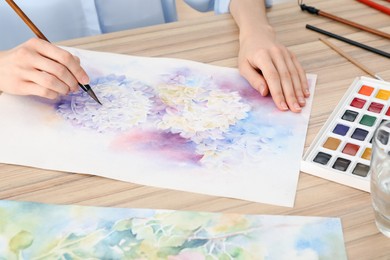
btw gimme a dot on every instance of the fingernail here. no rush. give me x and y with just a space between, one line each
307 92
283 105
301 100
297 106
85 80
262 89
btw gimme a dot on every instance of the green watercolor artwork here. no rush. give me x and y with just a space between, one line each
31 230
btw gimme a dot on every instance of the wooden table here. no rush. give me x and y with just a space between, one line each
213 40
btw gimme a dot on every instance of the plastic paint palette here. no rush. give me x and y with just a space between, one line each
341 151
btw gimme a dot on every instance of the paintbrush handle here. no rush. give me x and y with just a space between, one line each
352 42
27 20
313 10
353 24
351 59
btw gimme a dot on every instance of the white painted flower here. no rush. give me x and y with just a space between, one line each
198 113
125 105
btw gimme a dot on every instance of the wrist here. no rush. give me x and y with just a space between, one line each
263 31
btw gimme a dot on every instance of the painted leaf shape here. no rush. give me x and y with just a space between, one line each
87 240
123 224
172 241
144 232
194 243
185 220
20 241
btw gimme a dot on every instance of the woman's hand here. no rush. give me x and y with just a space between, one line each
271 68
267 65
40 68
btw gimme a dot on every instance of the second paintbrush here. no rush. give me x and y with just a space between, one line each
352 60
355 43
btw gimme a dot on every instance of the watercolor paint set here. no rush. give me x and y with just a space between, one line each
341 151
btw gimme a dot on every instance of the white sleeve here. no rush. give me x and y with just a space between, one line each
57 19
219 6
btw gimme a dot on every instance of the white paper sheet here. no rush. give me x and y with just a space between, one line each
167 123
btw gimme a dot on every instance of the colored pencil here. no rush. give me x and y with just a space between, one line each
352 42
40 35
351 59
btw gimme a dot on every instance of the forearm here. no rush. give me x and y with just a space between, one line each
250 16
280 72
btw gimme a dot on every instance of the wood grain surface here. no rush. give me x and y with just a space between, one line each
214 39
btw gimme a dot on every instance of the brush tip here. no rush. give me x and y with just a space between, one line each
93 95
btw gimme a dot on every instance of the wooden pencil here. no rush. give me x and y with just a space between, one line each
351 59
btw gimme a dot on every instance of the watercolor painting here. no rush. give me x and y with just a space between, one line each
167 123
43 231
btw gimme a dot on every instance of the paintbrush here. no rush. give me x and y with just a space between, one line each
40 35
313 10
352 60
352 42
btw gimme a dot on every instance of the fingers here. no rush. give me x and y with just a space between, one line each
38 68
254 78
295 79
63 64
50 67
31 88
65 58
271 74
56 73
301 74
23 81
283 75
47 81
